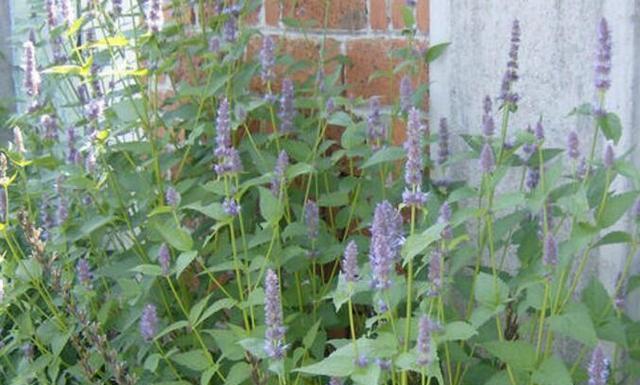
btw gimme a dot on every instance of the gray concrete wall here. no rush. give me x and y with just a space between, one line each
7 91
556 70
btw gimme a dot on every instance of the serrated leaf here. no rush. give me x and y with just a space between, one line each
194 360
270 207
176 237
611 126
491 291
519 355
458 331
184 260
552 371
575 323
615 207
387 154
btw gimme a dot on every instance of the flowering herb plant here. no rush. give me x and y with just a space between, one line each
175 208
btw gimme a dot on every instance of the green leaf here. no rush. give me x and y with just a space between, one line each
435 51
197 310
458 331
614 237
616 207
517 354
152 270
340 118
176 237
491 291
224 303
255 346
334 199
552 371
270 207
387 154
185 260
213 210
109 41
238 374
575 323
611 126
308 339
194 360
174 326
333 366
417 243
66 69
299 169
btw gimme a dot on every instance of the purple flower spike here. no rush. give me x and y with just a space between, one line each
3 205
445 218
83 270
406 93
386 241
274 336
414 199
609 156
539 131
287 109
376 131
62 211
413 147
164 259
573 145
350 262
231 207
116 6
32 78
66 11
95 109
73 156
335 381
230 27
488 125
149 322
507 95
171 196
423 346
279 172
443 142
550 255
487 160
636 210
155 16
362 361
214 44
598 368
603 57
533 178
18 140
52 13
384 364
312 219
267 59
50 125
435 272
228 157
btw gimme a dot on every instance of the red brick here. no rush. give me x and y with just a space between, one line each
272 12
422 15
378 15
368 56
343 14
396 13
254 17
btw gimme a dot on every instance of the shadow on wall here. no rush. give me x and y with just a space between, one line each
6 82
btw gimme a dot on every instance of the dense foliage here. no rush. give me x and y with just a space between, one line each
175 209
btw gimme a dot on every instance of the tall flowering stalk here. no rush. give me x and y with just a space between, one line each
267 59
287 109
598 368
350 262
31 75
507 94
488 125
603 57
376 131
413 195
149 322
274 336
406 93
386 241
279 173
423 344
155 16
228 157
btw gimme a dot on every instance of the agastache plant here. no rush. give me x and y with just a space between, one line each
274 344
109 276
413 195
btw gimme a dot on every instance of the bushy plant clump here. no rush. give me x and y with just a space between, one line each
176 209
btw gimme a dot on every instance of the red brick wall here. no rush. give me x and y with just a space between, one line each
364 30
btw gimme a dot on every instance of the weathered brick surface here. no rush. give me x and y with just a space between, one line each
339 14
422 15
397 18
378 15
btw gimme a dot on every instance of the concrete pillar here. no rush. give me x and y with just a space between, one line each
556 72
